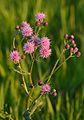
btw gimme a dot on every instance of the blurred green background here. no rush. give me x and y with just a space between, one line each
64 16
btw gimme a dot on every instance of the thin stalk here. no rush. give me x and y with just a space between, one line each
35 29
23 80
14 42
30 79
33 104
33 60
38 30
63 63
29 98
14 39
55 65
32 66
23 72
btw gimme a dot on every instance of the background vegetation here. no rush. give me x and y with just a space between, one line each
64 16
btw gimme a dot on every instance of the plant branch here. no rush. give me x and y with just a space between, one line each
22 73
55 65
33 104
23 80
63 63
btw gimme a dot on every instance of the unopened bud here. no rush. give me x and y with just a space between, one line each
54 93
40 82
14 49
31 85
67 46
72 36
66 36
78 54
38 23
73 42
75 50
17 27
46 24
74 45
71 50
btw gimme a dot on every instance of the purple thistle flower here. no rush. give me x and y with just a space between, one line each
40 17
26 29
45 43
29 47
46 88
45 53
15 56
35 40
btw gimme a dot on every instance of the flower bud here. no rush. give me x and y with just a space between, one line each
72 36
78 54
46 24
67 46
14 49
75 50
40 82
17 27
73 42
71 50
66 36
31 85
54 93
41 93
38 23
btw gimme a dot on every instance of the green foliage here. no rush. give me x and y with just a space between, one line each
63 16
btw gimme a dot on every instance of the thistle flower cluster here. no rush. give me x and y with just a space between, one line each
71 45
32 42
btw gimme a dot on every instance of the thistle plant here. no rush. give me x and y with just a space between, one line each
35 45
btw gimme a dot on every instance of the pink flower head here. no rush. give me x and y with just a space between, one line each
35 40
40 17
44 52
45 43
15 56
29 47
26 29
46 88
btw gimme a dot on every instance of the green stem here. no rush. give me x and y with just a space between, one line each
23 80
63 62
32 66
29 98
14 42
23 72
14 39
30 79
33 60
55 65
33 105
